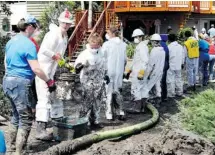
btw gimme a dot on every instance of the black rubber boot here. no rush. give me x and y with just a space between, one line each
136 107
144 104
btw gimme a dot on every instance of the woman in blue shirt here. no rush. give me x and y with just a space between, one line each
21 65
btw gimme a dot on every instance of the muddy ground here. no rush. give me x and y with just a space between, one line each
158 140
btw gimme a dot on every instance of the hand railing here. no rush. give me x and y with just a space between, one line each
78 33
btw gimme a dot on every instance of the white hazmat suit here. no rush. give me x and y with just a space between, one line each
47 105
114 51
91 77
140 62
154 71
174 79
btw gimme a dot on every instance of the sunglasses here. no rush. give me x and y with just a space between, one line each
33 25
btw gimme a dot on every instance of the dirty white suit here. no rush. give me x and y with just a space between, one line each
154 71
91 78
114 51
140 62
48 105
176 60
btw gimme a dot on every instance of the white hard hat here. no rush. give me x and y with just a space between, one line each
212 25
137 32
66 17
169 27
203 29
156 37
194 26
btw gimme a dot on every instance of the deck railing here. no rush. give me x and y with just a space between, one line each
179 5
124 6
99 27
78 33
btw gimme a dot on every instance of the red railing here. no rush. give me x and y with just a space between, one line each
78 33
111 19
96 16
100 25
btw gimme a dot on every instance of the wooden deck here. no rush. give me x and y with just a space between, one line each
207 7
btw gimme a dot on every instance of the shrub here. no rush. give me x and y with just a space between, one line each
130 50
198 114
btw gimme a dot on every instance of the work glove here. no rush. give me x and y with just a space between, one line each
140 75
51 85
126 74
78 68
107 79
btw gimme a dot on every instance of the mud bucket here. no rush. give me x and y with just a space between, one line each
70 128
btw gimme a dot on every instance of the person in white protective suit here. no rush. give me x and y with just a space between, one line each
114 51
155 67
203 33
195 32
52 49
137 71
91 66
176 64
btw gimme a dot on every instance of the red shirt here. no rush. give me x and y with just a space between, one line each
212 49
36 44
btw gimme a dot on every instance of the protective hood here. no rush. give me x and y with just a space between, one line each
116 40
53 27
175 43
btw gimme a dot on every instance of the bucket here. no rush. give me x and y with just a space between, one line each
70 128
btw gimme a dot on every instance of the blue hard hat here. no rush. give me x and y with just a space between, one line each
30 19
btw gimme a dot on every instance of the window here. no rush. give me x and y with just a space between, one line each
6 24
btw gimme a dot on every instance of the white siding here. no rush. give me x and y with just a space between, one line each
35 8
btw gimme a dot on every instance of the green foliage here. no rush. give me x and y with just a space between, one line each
51 14
198 114
130 50
64 63
5 105
181 36
3 41
5 8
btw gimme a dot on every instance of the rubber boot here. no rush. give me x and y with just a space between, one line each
136 107
13 133
41 133
21 141
144 104
194 87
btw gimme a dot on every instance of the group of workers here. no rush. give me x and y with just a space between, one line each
22 63
102 68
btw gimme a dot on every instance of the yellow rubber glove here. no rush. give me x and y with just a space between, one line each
140 75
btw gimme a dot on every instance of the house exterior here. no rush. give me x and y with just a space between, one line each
156 16
19 10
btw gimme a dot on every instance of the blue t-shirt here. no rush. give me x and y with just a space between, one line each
2 143
18 50
203 49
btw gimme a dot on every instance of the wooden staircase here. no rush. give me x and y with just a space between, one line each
79 37
80 47
184 19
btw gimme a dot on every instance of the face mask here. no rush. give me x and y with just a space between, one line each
107 36
136 41
94 51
